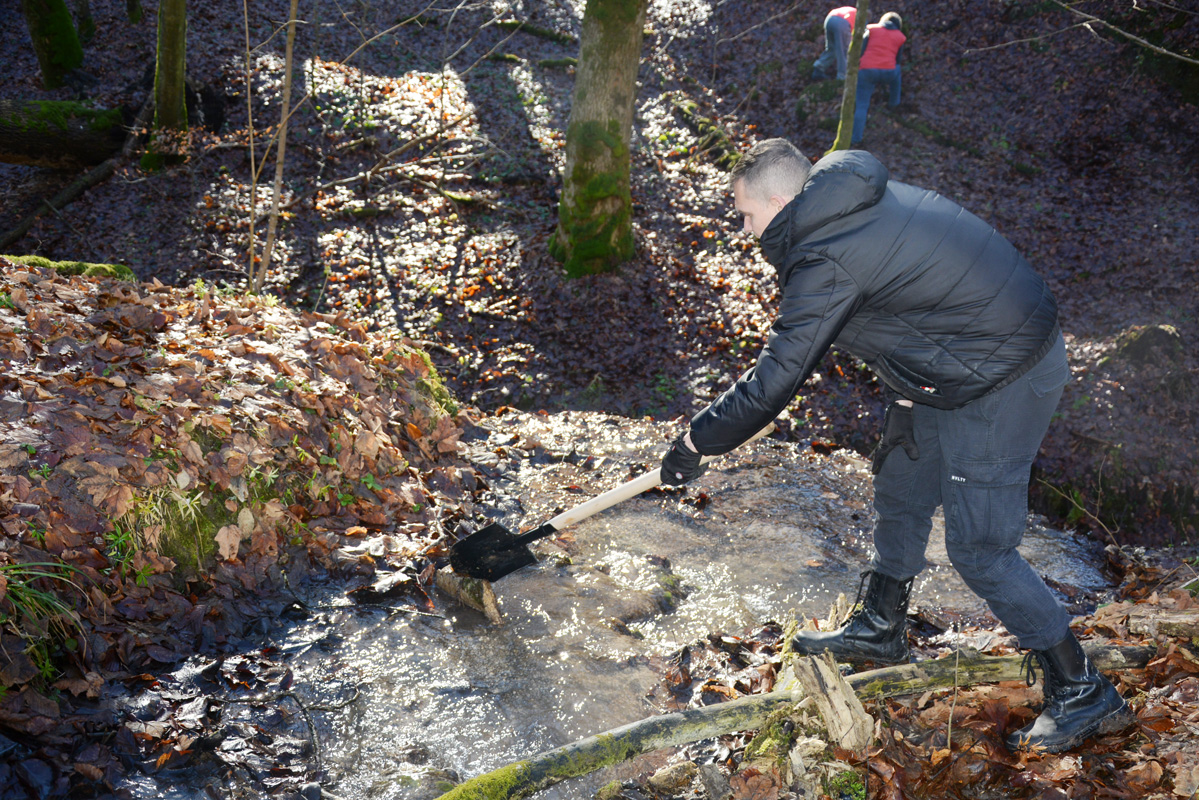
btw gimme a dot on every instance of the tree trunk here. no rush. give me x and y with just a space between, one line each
171 70
595 230
54 39
133 10
58 135
259 274
850 97
85 23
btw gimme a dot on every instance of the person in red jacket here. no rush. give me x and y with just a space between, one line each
838 27
879 65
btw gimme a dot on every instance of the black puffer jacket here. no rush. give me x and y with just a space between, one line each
932 298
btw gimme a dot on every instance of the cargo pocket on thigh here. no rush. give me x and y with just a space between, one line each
990 503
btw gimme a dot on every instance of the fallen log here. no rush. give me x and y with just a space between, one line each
523 778
712 138
86 181
58 134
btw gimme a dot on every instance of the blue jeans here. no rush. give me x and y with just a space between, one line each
836 45
867 80
975 462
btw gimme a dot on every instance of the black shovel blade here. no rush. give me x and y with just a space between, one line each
490 553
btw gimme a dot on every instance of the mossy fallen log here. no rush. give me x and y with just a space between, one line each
86 181
77 267
59 134
523 778
533 30
712 138
618 745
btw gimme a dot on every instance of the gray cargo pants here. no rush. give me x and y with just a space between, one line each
975 462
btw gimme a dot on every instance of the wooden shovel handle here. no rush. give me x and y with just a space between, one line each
631 489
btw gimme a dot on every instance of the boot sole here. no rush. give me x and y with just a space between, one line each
1113 722
854 659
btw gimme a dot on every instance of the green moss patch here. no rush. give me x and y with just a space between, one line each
47 115
91 270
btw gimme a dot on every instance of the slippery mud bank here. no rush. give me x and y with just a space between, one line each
395 701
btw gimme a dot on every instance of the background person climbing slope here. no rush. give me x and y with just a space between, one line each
879 67
838 27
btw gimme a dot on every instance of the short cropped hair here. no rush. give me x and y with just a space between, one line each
772 167
891 20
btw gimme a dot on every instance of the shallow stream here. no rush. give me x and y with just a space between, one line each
453 695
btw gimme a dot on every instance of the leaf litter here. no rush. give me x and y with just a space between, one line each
183 454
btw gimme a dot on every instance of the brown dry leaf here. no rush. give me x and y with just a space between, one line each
940 755
12 455
20 299
356 530
367 444
751 784
152 535
89 771
1186 780
272 512
227 540
89 684
192 452
72 440
1145 776
222 425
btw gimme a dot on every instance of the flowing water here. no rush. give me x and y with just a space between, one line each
453 696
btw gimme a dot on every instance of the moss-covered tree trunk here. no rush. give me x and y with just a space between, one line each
85 23
171 70
58 134
54 39
595 229
849 98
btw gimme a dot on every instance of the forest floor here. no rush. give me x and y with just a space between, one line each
1075 145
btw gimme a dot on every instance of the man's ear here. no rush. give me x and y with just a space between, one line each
779 202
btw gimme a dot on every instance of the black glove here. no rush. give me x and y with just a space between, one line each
681 464
897 432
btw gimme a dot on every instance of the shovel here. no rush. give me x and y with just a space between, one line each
492 552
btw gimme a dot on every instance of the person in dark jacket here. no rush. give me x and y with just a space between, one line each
964 333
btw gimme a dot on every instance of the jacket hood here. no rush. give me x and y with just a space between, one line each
839 184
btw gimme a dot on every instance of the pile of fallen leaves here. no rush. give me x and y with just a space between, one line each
424 173
168 458
949 743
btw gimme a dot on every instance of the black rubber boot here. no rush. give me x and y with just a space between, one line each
1079 702
877 631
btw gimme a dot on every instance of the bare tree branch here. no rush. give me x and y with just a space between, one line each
1147 45
1022 41
259 275
1170 6
761 24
